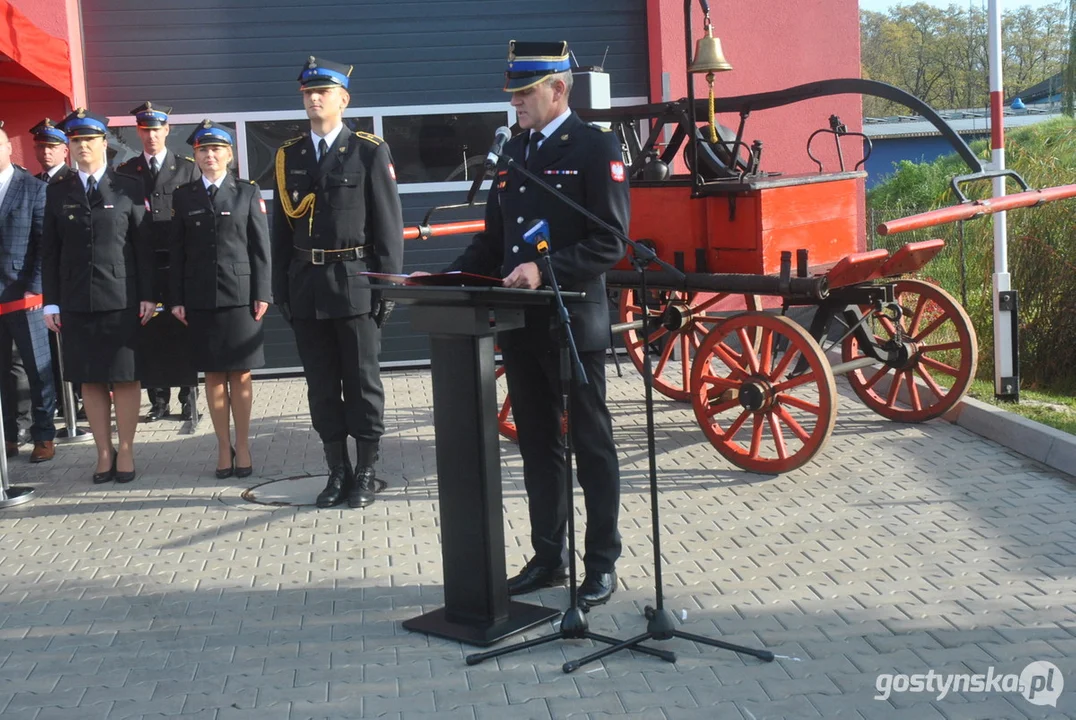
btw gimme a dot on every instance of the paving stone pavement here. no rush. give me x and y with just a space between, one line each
900 549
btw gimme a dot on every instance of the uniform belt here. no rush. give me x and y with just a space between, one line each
317 256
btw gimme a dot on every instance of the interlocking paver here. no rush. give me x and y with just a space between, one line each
899 549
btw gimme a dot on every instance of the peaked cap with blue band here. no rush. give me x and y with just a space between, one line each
46 133
209 133
318 73
529 63
148 115
82 123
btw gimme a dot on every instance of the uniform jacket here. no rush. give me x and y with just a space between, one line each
176 171
356 204
62 174
219 248
585 163
22 217
96 259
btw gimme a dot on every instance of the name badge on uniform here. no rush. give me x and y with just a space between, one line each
225 212
71 207
199 211
109 207
296 172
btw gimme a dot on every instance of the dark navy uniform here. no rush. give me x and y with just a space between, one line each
583 162
219 267
97 266
333 219
165 357
60 175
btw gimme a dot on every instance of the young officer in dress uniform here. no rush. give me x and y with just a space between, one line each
585 163
161 171
97 277
50 148
337 214
219 272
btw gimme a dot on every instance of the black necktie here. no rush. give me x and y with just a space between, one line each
43 176
532 146
154 168
323 149
212 190
92 193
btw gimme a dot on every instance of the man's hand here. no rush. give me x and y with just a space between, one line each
260 307
180 313
380 308
146 309
524 276
52 322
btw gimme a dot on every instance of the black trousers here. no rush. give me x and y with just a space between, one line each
532 370
343 377
27 331
163 395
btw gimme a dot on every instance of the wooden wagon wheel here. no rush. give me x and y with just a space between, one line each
758 416
688 318
505 424
937 354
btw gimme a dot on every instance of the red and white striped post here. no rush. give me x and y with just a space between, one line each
1006 348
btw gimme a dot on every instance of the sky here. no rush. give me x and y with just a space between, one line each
883 5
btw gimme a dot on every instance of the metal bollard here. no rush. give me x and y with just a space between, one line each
10 496
70 432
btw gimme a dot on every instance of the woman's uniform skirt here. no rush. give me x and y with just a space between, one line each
225 339
99 347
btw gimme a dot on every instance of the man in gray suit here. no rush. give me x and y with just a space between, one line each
22 213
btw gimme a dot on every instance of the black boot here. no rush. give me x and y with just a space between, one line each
339 475
362 490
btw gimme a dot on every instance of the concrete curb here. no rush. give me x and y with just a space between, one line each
1039 442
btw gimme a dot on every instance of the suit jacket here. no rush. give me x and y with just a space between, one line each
585 163
219 247
62 174
96 258
356 204
22 217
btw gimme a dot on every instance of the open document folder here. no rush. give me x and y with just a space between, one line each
459 279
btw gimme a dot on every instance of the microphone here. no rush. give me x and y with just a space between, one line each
537 234
499 139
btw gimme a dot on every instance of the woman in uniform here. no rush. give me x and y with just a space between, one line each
97 274
219 273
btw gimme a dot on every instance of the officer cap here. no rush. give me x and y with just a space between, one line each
46 133
319 73
82 123
531 62
209 133
148 115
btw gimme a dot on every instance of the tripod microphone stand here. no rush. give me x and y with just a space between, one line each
661 624
573 622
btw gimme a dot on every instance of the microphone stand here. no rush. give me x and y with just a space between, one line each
573 622
661 623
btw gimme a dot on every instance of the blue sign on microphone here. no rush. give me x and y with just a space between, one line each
537 232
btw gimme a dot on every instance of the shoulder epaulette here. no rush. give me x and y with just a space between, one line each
188 159
369 137
294 140
251 182
596 126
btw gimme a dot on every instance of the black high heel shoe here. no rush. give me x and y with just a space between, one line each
225 473
103 477
121 477
244 471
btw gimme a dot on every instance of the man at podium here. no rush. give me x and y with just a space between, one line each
585 163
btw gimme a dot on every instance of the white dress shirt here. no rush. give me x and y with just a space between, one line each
329 137
160 158
548 130
53 170
5 181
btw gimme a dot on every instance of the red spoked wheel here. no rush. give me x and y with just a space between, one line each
757 414
505 424
688 317
935 354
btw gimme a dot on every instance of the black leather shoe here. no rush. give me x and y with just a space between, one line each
535 576
225 473
107 475
339 483
362 488
156 412
23 438
186 414
597 588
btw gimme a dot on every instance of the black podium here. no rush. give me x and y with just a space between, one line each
461 322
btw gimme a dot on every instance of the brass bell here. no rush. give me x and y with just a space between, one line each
708 55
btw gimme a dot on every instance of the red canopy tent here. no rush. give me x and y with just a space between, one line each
35 77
